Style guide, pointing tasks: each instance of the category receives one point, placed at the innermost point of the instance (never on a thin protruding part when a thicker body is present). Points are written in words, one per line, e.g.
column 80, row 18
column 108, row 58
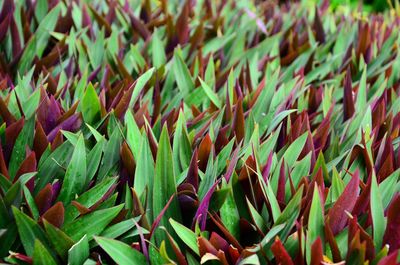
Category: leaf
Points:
column 186, row 235
column 75, row 176
column 377, row 212
column 90, row 105
column 238, row 123
column 111, row 155
column 211, row 94
column 48, row 169
column 294, row 150
column 55, row 215
column 202, row 210
column 25, row 138
column 133, row 135
column 392, row 231
column 31, row 203
column 58, row 239
column 337, row 214
column 79, row 252
column 28, row 230
column 98, row 221
column 319, row 29
column 144, row 172
column 93, row 160
column 89, row 198
column 361, row 101
column 157, row 48
column 280, row 253
column 41, row 255
column 120, row 252
column 119, row 228
column 140, row 83
column 316, row 252
column 315, row 222
column 164, row 184
column 182, row 74
column 348, row 102
column 181, row 146
column 290, row 213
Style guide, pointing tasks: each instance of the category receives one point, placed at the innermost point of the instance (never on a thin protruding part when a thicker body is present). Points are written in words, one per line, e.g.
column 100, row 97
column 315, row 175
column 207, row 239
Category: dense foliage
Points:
column 187, row 132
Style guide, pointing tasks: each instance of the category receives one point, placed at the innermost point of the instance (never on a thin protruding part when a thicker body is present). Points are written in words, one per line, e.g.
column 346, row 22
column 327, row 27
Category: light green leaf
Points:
column 164, row 185
column 98, row 221
column 90, row 106
column 75, row 176
column 211, row 94
column 182, row 74
column 79, row 252
column 120, row 252
column 41, row 255
column 377, row 212
column 186, row 235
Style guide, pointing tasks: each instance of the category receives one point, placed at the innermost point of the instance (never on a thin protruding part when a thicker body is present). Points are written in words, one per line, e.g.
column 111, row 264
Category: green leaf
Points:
column 89, row 198
column 41, row 255
column 157, row 48
column 75, row 176
column 91, row 224
column 51, row 167
column 133, row 135
column 31, row 203
column 140, row 83
column 211, row 94
column 294, row 150
column 93, row 159
column 28, row 230
column 230, row 215
column 144, row 172
column 362, row 92
column 182, row 74
column 315, row 222
column 290, row 213
column 119, row 228
column 186, row 235
column 58, row 239
column 278, row 119
column 377, row 212
column 120, row 252
column 90, row 106
column 164, row 185
column 182, row 150
column 257, row 218
column 111, row 155
column 25, row 138
column 79, row 252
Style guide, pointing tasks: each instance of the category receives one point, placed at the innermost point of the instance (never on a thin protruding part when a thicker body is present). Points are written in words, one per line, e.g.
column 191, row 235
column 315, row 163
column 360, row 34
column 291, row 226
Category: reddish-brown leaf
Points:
column 348, row 101
column 127, row 159
column 193, row 174
column 238, row 124
column 337, row 214
column 281, row 255
column 204, row 152
column 319, row 29
column 182, row 24
column 44, row 198
column 28, row 165
column 40, row 142
column 55, row 215
column 316, row 252
column 392, row 233
column 390, row 259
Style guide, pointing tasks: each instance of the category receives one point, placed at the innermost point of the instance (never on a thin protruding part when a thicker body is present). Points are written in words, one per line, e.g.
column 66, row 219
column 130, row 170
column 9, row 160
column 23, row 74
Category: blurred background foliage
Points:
column 366, row 5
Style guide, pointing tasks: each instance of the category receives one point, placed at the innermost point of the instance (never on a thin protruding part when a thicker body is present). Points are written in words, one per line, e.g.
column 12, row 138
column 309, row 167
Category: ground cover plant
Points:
column 188, row 132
